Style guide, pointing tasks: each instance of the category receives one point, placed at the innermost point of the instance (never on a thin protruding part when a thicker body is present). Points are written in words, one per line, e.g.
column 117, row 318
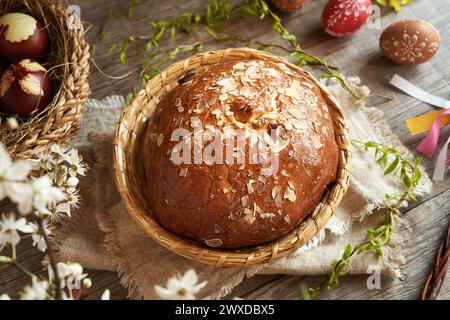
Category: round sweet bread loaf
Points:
column 239, row 153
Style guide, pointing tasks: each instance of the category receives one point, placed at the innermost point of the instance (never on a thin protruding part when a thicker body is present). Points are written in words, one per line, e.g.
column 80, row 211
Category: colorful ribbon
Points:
column 429, row 144
column 419, row 94
column 423, row 123
column 441, row 162
column 431, row 121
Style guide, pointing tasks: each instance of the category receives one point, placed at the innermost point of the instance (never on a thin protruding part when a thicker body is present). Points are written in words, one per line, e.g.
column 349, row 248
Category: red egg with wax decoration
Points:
column 22, row 37
column 344, row 17
column 25, row 88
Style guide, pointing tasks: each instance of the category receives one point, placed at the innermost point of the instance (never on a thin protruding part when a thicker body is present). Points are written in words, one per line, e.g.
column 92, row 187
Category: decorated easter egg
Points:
column 288, row 5
column 410, row 41
column 344, row 17
column 24, row 88
column 22, row 37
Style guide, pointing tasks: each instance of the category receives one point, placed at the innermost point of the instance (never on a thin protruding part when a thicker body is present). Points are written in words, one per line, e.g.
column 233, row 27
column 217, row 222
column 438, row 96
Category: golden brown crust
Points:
column 235, row 204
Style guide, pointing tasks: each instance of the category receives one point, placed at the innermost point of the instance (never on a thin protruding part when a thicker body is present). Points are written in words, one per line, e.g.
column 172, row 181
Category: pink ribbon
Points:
column 441, row 162
column 429, row 144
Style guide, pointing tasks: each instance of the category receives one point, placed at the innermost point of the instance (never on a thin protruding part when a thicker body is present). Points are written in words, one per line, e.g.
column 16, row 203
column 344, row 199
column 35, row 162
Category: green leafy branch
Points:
column 259, row 8
column 216, row 12
column 152, row 63
column 408, row 172
column 132, row 9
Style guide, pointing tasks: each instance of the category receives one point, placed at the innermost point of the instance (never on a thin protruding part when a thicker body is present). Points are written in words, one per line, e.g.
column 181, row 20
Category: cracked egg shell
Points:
column 24, row 88
column 288, row 5
column 344, row 17
column 410, row 41
column 22, row 37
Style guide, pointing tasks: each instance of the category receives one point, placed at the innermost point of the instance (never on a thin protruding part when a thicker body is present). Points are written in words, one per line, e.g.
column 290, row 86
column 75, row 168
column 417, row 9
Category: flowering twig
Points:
column 52, row 257
column 181, row 287
column 42, row 188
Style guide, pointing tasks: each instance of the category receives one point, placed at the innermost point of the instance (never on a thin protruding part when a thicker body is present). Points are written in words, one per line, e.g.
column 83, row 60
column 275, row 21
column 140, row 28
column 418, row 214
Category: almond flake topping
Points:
column 278, row 200
column 180, row 109
column 214, row 243
column 316, row 142
column 244, row 201
column 287, row 218
column 250, row 189
column 290, row 192
column 267, row 215
column 276, row 191
column 249, row 215
column 183, row 172
column 160, row 140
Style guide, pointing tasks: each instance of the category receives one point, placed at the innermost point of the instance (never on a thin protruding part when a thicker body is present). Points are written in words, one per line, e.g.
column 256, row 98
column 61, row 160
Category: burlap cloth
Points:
column 103, row 236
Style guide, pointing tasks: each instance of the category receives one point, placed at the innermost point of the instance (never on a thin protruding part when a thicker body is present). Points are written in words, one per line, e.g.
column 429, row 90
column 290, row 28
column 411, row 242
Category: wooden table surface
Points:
column 355, row 55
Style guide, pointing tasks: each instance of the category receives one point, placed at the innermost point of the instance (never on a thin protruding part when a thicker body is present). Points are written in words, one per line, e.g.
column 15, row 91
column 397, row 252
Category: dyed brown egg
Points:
column 22, row 37
column 410, row 41
column 288, row 5
column 24, row 88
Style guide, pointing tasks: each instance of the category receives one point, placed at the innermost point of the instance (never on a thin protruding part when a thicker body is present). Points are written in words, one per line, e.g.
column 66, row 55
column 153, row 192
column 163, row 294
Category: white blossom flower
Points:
column 181, row 287
column 61, row 209
column 76, row 164
column 45, row 161
column 39, row 194
column 11, row 174
column 9, row 228
column 37, row 236
column 71, row 271
column 71, row 274
column 106, row 295
column 37, row 290
column 73, row 197
column 72, row 182
column 4, row 297
column 59, row 153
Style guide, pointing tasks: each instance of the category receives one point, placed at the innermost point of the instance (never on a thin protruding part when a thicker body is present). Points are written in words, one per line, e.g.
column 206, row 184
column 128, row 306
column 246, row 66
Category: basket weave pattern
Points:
column 63, row 121
column 129, row 172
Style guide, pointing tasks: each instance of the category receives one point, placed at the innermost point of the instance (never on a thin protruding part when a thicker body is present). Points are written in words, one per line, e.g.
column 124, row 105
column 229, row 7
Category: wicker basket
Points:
column 129, row 171
column 69, row 65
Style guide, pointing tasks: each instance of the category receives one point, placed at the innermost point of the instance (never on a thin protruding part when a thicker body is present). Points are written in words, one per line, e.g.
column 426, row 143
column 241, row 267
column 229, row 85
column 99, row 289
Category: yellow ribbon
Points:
column 424, row 122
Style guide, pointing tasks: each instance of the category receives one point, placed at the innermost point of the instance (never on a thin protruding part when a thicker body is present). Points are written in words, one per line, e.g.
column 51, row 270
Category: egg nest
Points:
column 56, row 62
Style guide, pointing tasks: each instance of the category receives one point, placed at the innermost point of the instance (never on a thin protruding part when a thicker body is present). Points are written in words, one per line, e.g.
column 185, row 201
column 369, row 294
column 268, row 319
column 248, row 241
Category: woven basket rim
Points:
column 137, row 113
column 64, row 122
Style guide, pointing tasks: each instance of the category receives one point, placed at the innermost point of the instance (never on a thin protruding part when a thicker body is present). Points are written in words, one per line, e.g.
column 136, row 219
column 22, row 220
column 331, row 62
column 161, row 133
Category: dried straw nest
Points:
column 68, row 64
